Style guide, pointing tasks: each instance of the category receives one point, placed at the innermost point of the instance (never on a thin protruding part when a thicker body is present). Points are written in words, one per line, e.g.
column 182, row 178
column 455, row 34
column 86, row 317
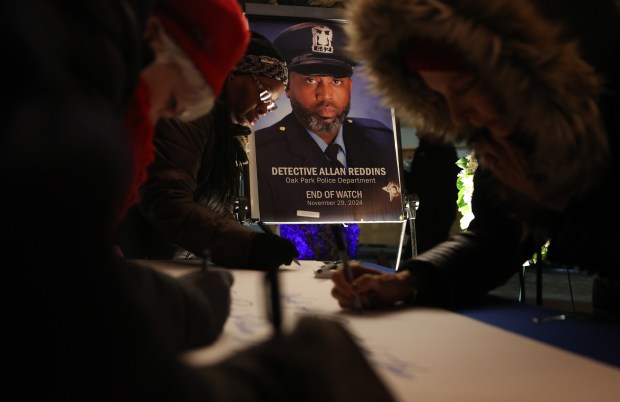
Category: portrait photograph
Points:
column 328, row 150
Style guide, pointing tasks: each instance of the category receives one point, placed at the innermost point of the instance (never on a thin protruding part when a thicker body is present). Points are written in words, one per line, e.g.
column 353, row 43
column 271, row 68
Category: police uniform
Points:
column 296, row 182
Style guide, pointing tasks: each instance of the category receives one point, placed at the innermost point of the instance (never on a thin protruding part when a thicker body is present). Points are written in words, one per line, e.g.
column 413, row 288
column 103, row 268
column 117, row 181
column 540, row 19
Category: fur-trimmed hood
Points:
column 528, row 64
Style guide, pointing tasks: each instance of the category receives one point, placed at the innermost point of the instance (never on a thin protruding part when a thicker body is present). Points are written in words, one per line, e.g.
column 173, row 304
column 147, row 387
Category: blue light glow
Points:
column 315, row 241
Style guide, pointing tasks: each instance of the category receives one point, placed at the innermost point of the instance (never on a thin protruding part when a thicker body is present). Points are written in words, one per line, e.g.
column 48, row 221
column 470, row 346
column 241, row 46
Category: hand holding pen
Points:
column 278, row 249
column 374, row 288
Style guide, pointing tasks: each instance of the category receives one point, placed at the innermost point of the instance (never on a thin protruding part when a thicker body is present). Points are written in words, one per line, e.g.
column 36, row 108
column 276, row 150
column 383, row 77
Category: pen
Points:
column 274, row 289
column 274, row 299
column 344, row 256
column 266, row 229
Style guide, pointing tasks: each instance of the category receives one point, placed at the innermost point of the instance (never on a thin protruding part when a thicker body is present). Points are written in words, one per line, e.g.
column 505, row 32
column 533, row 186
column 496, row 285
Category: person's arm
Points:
column 191, row 309
column 168, row 203
column 167, row 196
column 477, row 260
column 455, row 272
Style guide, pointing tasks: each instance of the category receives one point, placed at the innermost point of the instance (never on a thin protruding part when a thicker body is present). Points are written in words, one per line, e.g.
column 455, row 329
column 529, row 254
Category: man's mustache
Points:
column 327, row 105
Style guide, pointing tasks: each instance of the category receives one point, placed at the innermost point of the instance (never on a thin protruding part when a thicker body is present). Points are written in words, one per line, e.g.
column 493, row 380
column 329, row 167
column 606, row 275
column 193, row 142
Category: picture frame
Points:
column 378, row 198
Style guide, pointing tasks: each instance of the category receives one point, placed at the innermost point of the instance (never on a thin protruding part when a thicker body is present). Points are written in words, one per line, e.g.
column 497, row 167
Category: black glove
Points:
column 270, row 251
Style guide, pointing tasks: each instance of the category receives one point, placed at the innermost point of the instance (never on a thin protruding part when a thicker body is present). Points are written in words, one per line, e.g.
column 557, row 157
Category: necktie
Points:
column 332, row 154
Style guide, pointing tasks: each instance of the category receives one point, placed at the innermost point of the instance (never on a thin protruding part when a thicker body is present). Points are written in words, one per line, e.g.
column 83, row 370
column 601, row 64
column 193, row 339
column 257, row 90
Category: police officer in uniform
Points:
column 317, row 164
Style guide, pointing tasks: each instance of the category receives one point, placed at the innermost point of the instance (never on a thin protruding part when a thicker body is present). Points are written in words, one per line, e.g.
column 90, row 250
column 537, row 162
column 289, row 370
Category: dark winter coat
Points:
column 173, row 213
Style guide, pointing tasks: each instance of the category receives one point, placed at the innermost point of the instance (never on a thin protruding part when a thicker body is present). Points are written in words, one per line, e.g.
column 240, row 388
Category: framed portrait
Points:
column 329, row 152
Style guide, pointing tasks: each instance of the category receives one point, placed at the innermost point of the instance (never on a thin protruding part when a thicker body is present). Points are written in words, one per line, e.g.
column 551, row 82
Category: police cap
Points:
column 315, row 48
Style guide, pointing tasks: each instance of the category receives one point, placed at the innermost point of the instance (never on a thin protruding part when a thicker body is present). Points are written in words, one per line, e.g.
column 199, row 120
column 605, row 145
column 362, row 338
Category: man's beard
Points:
column 314, row 123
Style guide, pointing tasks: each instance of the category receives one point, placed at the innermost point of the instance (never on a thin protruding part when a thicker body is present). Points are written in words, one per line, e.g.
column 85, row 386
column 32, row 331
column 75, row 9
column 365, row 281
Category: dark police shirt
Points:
column 296, row 182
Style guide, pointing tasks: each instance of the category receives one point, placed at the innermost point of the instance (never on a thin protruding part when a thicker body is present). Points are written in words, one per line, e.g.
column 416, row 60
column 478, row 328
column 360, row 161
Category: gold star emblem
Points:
column 393, row 189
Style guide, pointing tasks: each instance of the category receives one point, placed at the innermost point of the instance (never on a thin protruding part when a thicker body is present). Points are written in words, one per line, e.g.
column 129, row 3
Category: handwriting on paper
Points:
column 251, row 325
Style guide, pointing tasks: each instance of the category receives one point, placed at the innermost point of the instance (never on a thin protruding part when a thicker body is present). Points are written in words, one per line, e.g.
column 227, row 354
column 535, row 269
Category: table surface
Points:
column 493, row 352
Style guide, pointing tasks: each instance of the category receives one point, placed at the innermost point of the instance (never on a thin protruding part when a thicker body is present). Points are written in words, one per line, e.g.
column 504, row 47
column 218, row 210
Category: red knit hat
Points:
column 424, row 55
column 213, row 33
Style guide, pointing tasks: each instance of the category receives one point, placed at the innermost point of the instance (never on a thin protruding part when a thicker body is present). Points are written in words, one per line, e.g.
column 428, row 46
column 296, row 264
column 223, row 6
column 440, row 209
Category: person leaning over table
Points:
column 184, row 71
column 320, row 94
column 187, row 201
column 78, row 326
column 95, row 76
column 533, row 87
column 135, row 61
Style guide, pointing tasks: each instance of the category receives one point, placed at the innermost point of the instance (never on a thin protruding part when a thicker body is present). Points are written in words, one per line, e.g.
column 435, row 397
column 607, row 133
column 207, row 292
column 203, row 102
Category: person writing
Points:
column 99, row 75
column 533, row 87
column 187, row 201
column 359, row 155
column 180, row 77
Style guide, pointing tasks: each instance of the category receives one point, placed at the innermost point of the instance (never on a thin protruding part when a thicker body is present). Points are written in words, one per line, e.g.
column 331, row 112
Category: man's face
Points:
column 320, row 102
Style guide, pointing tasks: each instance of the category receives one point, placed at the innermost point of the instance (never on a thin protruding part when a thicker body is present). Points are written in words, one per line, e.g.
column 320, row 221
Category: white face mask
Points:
column 199, row 109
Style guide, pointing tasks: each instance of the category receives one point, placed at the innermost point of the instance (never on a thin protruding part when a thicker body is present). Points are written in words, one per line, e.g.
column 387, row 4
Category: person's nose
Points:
column 324, row 91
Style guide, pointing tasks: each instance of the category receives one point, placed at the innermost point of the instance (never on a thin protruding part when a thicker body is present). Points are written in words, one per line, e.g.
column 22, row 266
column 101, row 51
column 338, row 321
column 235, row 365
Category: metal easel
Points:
column 411, row 205
column 241, row 205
